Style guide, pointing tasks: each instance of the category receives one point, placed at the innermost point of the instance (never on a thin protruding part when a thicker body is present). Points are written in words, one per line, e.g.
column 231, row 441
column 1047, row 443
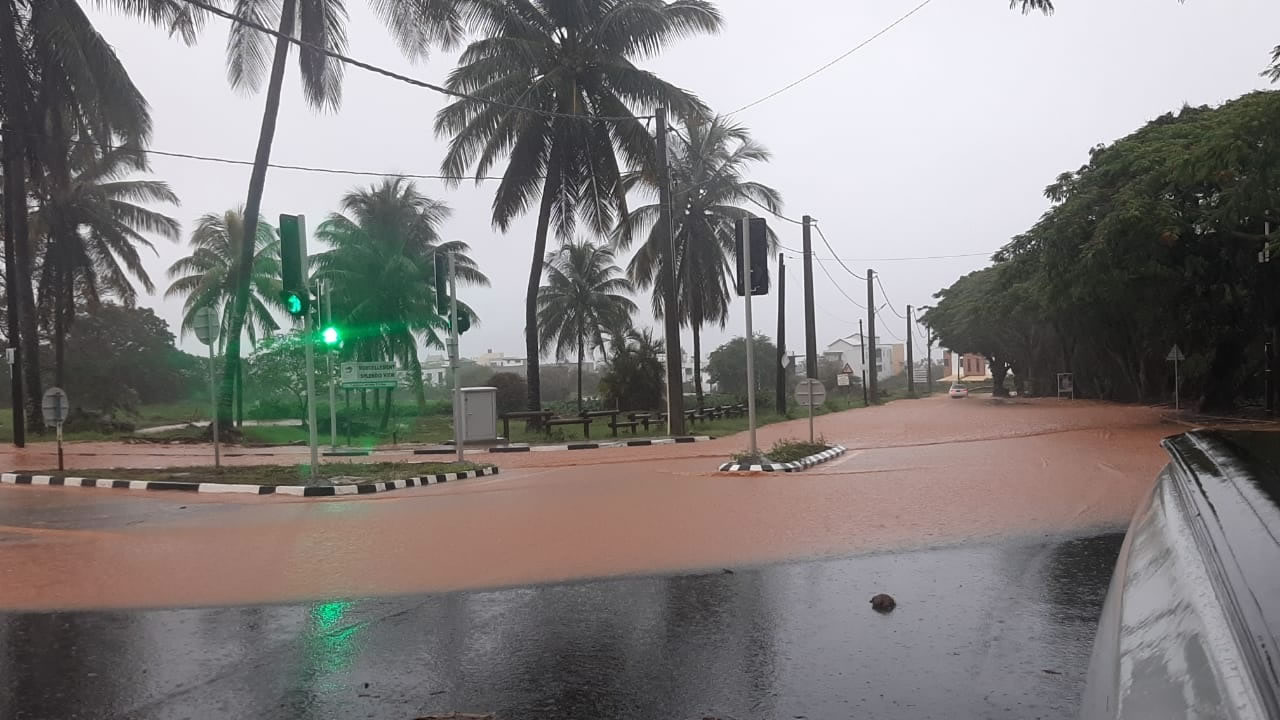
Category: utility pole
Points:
column 928, row 363
column 751, row 369
column 14, row 352
column 863, row 342
column 871, row 336
column 780, row 388
column 670, row 302
column 327, row 298
column 810, row 331
column 911, row 367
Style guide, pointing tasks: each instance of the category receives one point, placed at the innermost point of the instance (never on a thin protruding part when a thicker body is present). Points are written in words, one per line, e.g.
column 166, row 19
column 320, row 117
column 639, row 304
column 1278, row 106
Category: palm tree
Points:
column 55, row 65
column 381, row 269
column 415, row 25
column 580, row 301
column 91, row 227
column 708, row 165
column 562, row 59
column 206, row 278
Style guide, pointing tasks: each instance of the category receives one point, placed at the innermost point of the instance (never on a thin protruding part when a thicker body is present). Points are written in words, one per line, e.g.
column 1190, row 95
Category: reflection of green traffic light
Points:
column 330, row 336
column 328, row 614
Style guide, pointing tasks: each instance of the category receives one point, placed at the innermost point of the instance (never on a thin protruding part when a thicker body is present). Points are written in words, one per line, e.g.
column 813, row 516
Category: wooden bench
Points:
column 613, row 420
column 585, row 422
column 536, row 418
column 642, row 418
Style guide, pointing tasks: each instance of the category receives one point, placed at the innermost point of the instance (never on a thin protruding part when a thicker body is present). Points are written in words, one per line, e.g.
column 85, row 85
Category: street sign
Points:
column 55, row 405
column 846, row 370
column 842, row 380
column 1066, row 385
column 369, row 375
column 1175, row 355
column 205, row 325
column 810, row 393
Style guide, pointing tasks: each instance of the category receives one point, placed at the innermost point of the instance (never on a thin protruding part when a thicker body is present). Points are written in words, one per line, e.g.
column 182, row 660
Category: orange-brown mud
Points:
column 919, row 472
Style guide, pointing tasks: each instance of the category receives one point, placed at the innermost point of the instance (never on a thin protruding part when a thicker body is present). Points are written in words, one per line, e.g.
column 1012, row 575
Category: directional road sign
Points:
column 810, row 393
column 55, row 406
column 369, row 375
column 1175, row 354
column 205, row 324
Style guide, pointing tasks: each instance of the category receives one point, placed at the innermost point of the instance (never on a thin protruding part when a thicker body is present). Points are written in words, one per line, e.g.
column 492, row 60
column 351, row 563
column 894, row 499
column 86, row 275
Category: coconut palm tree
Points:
column 206, row 278
column 709, row 161
column 562, row 59
column 90, row 226
column 581, row 301
column 53, row 61
column 415, row 25
column 381, row 269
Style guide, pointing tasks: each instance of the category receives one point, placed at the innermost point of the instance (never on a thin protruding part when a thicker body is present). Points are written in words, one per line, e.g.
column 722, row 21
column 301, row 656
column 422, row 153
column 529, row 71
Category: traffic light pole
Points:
column 459, row 413
column 310, row 342
column 670, row 296
column 751, row 370
column 327, row 299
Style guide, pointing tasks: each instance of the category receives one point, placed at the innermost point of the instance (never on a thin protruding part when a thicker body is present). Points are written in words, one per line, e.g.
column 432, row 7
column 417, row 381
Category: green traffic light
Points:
column 330, row 335
column 293, row 303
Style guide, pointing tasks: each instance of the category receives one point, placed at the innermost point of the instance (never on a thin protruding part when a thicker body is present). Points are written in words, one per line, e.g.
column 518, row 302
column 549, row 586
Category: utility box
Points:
column 480, row 405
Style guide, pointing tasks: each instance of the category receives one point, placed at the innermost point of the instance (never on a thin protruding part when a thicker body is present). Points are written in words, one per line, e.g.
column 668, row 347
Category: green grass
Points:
column 276, row 474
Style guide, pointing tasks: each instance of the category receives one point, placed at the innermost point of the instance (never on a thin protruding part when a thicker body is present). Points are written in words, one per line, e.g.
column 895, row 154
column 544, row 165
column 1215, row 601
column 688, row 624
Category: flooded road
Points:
column 920, row 473
column 982, row 630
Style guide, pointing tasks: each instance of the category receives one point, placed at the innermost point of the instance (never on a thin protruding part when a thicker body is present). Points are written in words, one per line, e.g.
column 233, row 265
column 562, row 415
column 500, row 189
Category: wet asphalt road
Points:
column 981, row 631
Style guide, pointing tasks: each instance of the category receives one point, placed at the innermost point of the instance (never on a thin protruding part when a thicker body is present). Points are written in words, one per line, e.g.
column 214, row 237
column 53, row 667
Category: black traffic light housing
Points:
column 441, row 280
column 293, row 249
column 758, row 231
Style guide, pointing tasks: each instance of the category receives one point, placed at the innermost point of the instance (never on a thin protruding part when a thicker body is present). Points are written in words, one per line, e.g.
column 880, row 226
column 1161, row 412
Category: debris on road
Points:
column 883, row 603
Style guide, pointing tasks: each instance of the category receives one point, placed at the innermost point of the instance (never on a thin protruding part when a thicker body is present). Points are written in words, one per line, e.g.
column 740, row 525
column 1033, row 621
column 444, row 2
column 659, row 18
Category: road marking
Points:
column 840, row 460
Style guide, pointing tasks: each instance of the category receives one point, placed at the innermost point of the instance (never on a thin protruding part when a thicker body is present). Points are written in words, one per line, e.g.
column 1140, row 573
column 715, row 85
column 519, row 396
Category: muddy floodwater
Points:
column 919, row 474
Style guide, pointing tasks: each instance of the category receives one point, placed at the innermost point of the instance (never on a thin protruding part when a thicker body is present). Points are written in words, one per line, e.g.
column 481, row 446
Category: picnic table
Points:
column 614, row 424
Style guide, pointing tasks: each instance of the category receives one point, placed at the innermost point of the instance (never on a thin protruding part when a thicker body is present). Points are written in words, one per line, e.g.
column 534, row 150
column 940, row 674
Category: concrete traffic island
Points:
column 766, row 463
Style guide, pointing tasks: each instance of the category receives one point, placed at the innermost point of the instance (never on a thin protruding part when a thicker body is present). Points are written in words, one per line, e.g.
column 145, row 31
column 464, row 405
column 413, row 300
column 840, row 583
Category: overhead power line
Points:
column 397, row 76
column 773, row 212
column 833, row 252
column 842, row 292
column 887, row 301
column 842, row 56
column 886, row 327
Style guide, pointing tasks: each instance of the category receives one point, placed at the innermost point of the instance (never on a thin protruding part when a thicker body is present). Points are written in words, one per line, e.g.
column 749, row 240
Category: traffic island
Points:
column 786, row 456
column 331, row 479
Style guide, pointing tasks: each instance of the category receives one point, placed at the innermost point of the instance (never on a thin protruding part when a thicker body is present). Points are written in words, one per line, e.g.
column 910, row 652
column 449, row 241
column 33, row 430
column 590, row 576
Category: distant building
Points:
column 435, row 369
column 968, row 365
column 489, row 358
column 890, row 358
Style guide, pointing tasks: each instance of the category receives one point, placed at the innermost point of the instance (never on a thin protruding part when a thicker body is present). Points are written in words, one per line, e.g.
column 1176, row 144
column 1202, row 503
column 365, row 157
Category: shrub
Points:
column 513, row 391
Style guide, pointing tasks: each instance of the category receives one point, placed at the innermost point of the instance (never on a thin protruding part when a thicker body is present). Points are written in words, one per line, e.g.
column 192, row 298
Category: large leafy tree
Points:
column 381, row 269
column 572, row 64
column 709, row 161
column 61, row 80
column 583, row 297
column 90, row 226
column 207, row 278
column 1154, row 242
column 416, row 26
column 634, row 375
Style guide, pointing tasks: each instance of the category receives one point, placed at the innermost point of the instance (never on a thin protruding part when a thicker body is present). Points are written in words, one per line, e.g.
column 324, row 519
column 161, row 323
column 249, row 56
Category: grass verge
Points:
column 275, row 474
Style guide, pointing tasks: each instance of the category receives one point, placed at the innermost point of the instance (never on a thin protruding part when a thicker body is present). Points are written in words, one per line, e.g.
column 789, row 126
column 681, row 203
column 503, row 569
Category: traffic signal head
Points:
column 756, row 231
column 442, row 284
column 331, row 336
column 296, row 303
column 464, row 321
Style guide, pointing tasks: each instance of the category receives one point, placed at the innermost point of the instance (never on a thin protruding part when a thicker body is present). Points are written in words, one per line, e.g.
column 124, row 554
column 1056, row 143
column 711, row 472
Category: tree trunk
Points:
column 697, row 363
column 18, row 281
column 252, row 208
column 531, row 345
column 61, row 299
column 364, row 401
column 580, row 353
column 386, row 410
column 240, row 396
column 415, row 367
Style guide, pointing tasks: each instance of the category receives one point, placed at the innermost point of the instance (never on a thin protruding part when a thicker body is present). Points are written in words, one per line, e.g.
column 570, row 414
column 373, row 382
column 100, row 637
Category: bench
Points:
column 613, row 420
column 642, row 418
column 585, row 422
column 625, row 424
column 535, row 418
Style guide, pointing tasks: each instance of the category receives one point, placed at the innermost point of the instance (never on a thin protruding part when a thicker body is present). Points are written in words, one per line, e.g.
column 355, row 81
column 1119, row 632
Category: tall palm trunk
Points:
column 697, row 363
column 18, row 242
column 531, row 345
column 580, row 353
column 61, row 320
column 386, row 409
column 252, row 208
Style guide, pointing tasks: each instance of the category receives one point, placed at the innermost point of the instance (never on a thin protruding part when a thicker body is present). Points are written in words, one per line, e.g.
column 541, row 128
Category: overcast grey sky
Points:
column 936, row 139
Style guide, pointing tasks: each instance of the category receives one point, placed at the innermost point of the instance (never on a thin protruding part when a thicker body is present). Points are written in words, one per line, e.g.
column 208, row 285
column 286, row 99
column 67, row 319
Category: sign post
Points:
column 1066, row 385
column 459, row 413
column 55, row 407
column 205, row 323
column 1176, row 356
column 810, row 392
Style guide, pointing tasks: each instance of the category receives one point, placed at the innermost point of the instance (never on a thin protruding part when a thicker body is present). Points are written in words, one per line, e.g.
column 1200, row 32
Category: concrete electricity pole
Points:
column 862, row 340
column 871, row 336
column 810, row 332
column 670, row 303
column 780, row 388
column 911, row 367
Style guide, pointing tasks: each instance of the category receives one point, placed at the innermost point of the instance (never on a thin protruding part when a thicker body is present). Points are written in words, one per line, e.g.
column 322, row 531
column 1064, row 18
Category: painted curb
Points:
column 797, row 466
column 225, row 488
column 601, row 445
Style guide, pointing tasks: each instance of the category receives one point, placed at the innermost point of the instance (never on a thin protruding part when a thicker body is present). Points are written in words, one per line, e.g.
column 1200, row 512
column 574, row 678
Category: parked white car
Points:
column 958, row 391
